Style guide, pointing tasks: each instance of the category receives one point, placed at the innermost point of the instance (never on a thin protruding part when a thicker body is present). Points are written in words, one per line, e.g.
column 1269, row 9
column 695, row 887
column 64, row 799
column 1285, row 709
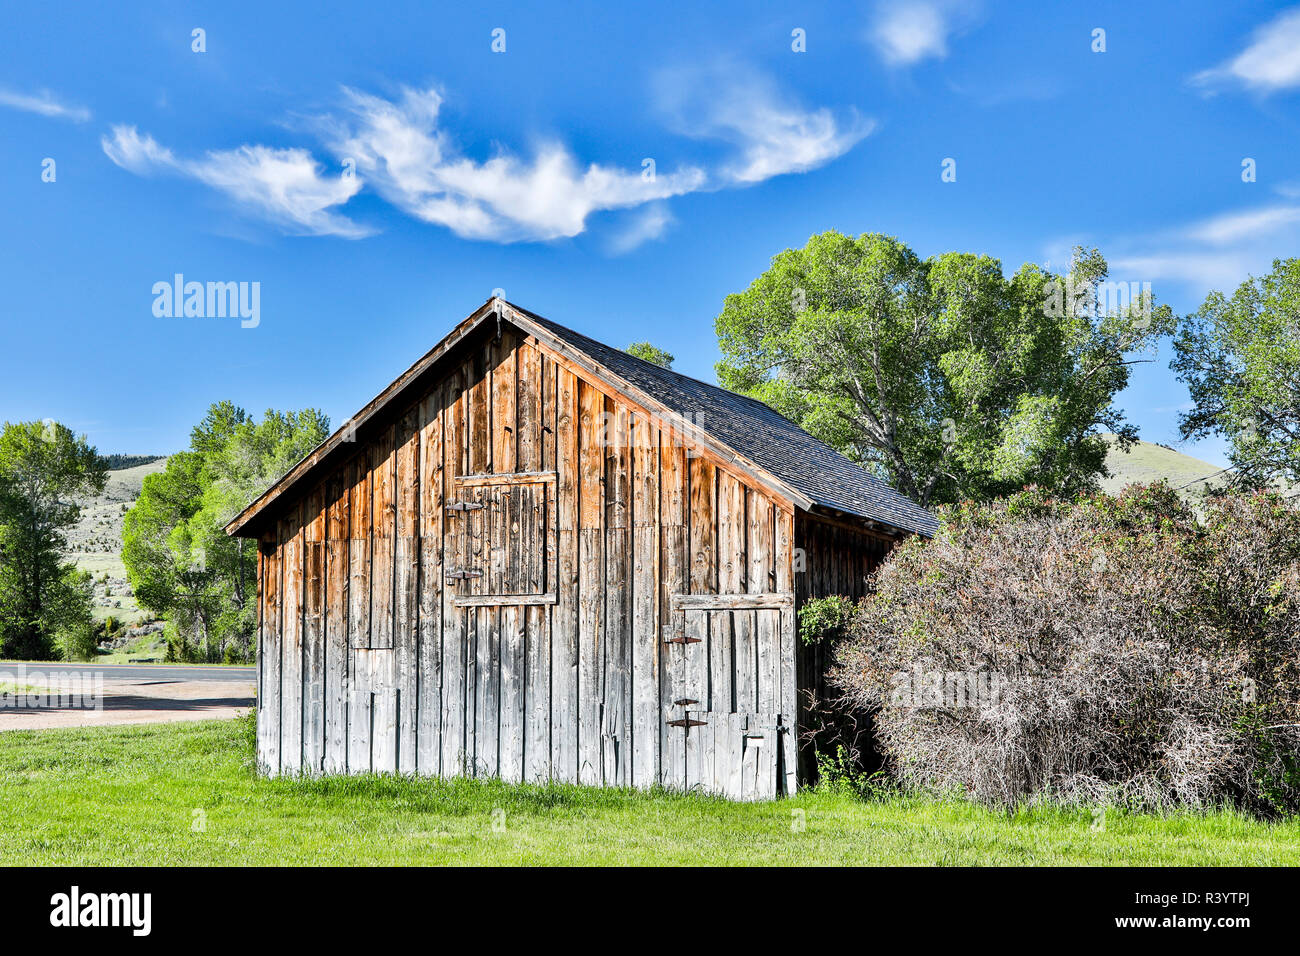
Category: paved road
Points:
column 137, row 672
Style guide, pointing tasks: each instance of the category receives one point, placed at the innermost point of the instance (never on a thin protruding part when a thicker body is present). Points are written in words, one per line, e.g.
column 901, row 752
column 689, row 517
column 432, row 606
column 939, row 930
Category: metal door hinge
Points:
column 687, row 722
column 684, row 701
column 466, row 506
column 463, row 575
column 683, row 640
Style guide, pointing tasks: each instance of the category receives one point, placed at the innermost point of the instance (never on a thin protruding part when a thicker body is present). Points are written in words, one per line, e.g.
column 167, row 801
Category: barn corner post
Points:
column 535, row 557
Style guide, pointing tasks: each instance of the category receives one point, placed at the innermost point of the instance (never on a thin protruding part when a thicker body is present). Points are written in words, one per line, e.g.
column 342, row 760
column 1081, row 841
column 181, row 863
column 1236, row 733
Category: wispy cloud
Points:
column 1202, row 270
column 643, row 226
column 45, row 104
column 413, row 163
column 1214, row 253
column 285, row 186
column 773, row 135
column 402, row 148
column 1270, row 62
column 907, row 32
column 1250, row 224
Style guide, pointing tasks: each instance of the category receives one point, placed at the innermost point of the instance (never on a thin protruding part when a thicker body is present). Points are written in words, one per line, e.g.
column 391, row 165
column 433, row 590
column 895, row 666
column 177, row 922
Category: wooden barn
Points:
column 537, row 557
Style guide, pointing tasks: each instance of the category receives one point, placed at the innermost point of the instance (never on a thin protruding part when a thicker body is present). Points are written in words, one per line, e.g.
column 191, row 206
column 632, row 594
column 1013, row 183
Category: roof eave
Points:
column 245, row 523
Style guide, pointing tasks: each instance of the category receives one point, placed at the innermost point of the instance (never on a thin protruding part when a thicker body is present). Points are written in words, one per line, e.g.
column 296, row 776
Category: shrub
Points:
column 825, row 619
column 1122, row 649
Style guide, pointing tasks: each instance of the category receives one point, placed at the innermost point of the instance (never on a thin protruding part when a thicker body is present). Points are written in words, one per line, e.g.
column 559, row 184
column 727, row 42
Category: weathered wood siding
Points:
column 524, row 574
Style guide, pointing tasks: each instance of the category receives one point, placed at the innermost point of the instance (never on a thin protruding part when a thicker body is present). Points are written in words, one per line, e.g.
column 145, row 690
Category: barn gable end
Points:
column 516, row 562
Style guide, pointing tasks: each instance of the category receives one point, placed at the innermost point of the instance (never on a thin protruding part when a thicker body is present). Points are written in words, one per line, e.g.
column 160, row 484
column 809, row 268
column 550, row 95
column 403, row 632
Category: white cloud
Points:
column 1236, row 226
column 645, row 224
column 1214, row 253
column 285, row 186
column 1270, row 62
column 909, row 31
column 1202, row 270
column 413, row 163
column 45, row 104
column 139, row 154
column 773, row 136
column 402, row 148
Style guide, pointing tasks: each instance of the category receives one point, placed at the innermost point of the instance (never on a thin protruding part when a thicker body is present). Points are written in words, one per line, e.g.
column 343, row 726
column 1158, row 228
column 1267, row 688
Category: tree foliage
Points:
column 44, row 601
column 179, row 561
column 1127, row 649
column 945, row 377
column 651, row 353
column 1240, row 358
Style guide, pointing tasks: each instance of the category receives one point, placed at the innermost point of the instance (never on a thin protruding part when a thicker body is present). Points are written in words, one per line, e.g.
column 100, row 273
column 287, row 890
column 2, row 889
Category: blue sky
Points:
column 381, row 173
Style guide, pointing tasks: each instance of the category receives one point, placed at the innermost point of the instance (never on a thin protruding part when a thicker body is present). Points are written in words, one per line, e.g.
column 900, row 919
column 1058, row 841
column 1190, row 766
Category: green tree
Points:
column 43, row 600
column 942, row 375
column 178, row 560
column 651, row 353
column 1240, row 358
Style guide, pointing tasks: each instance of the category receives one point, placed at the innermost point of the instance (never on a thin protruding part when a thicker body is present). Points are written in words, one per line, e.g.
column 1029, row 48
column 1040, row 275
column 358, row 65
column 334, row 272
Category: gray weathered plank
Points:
column 291, row 658
column 537, row 692
column 564, row 629
column 513, row 674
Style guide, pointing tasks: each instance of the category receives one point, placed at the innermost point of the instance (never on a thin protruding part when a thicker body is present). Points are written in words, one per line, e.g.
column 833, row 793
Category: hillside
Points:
column 95, row 542
column 1146, row 462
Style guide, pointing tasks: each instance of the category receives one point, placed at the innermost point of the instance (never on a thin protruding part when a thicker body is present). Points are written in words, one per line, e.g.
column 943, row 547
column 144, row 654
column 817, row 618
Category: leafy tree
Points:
column 43, row 469
column 68, row 618
column 179, row 561
column 942, row 375
column 651, row 353
column 1240, row 358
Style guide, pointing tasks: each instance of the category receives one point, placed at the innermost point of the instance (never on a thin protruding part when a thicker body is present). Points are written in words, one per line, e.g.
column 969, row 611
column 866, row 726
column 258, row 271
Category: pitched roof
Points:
column 758, row 433
column 742, row 429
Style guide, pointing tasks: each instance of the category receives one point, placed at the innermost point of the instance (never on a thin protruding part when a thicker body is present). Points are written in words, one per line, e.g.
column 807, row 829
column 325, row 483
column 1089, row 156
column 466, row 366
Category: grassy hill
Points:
column 95, row 542
column 1146, row 462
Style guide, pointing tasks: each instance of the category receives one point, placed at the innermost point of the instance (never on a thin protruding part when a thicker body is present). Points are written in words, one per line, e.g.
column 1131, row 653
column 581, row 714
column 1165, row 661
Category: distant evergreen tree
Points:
column 118, row 462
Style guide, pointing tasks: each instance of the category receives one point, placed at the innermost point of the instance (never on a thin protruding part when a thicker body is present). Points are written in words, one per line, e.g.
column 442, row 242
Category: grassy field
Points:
column 184, row 794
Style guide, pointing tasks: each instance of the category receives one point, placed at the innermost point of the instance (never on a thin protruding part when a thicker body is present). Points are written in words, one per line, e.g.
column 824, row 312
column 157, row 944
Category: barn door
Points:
column 721, row 718
column 502, row 534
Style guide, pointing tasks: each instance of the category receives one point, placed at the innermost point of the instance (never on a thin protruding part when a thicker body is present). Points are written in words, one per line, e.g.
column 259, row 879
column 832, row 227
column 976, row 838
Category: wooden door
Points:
column 502, row 535
column 723, row 722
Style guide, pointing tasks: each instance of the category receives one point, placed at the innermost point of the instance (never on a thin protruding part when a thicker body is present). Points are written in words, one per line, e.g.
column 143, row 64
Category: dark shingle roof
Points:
column 758, row 433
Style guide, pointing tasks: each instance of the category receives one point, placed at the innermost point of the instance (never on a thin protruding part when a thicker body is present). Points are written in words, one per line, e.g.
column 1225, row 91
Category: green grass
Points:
column 9, row 688
column 128, row 795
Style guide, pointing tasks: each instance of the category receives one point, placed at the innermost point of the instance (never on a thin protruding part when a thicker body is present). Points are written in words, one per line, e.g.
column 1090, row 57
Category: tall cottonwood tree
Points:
column 1240, row 358
column 44, row 468
column 944, row 376
column 179, row 561
column 652, row 354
